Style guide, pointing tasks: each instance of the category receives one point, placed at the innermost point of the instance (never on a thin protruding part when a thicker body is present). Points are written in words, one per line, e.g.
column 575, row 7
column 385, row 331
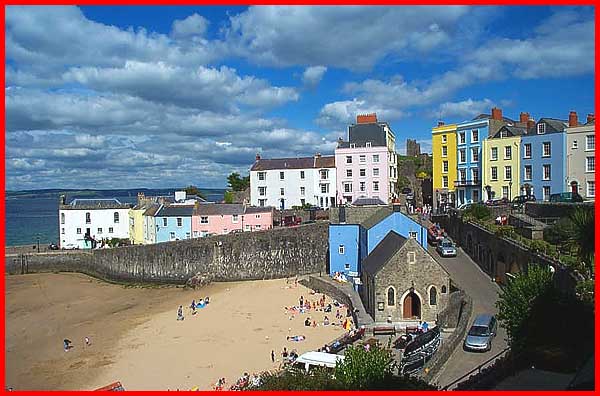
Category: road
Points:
column 469, row 277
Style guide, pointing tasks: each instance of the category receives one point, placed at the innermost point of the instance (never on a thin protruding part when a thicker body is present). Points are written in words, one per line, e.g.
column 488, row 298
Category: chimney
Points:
column 524, row 118
column 573, row 119
column 140, row 199
column 62, row 200
column 317, row 155
column 366, row 118
column 440, row 123
column 590, row 118
column 257, row 156
column 496, row 114
column 530, row 124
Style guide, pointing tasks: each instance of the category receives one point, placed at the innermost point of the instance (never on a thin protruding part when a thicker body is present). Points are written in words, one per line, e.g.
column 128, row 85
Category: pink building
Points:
column 361, row 172
column 220, row 219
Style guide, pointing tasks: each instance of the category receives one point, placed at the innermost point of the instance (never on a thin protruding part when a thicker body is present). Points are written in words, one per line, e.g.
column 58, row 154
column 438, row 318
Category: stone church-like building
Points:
column 403, row 282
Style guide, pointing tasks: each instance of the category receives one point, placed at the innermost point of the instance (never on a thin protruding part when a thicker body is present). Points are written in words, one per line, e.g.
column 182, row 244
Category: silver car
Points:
column 446, row 248
column 481, row 333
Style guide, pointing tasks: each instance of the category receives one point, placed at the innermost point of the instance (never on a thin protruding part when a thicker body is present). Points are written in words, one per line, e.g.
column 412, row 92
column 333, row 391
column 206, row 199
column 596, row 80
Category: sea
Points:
column 34, row 213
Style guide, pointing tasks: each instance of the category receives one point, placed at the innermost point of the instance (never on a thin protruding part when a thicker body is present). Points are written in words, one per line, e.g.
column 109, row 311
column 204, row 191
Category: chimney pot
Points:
column 257, row 156
column 318, row 155
column 530, row 124
column 591, row 117
column 496, row 114
column 366, row 118
column 573, row 119
column 440, row 123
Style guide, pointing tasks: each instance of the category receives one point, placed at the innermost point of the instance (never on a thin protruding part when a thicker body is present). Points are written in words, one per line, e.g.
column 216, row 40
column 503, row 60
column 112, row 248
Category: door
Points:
column 407, row 307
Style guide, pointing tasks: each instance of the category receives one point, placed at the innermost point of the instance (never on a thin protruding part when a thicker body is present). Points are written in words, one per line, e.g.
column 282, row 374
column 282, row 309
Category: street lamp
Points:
column 38, row 242
column 509, row 189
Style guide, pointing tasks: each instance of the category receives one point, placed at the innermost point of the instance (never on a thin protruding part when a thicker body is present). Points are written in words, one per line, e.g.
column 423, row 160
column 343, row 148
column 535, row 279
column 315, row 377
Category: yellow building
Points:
column 443, row 141
column 136, row 225
column 500, row 154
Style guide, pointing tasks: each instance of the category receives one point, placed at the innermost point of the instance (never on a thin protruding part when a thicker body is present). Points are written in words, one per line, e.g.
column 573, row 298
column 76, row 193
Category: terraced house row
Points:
column 493, row 157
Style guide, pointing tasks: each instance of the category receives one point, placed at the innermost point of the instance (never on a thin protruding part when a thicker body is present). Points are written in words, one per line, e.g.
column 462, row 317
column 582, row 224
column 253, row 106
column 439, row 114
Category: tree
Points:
column 516, row 300
column 193, row 190
column 582, row 236
column 228, row 197
column 237, row 183
column 362, row 369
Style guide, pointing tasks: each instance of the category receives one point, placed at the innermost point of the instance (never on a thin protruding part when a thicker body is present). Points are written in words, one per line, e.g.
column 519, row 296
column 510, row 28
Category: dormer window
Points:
column 352, row 145
column 541, row 128
column 368, row 144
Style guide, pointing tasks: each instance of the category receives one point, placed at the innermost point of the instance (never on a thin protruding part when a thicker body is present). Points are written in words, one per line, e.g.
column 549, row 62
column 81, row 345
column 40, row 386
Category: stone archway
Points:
column 411, row 306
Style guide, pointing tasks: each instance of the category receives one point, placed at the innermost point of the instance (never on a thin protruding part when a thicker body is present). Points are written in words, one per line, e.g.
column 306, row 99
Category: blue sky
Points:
column 125, row 97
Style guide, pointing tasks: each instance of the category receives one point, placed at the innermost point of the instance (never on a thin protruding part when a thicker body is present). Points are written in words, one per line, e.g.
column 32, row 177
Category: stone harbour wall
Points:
column 266, row 254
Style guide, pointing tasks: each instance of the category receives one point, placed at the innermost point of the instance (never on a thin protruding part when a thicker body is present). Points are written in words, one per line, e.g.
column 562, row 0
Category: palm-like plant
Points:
column 582, row 236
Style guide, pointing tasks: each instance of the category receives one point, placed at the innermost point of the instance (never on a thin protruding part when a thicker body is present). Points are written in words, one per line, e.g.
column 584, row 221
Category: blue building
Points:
column 543, row 159
column 469, row 135
column 173, row 223
column 358, row 230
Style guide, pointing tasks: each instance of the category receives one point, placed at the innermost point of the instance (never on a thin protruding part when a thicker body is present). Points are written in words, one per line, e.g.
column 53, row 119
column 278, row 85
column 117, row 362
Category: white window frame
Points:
column 348, row 159
column 544, row 145
column 362, row 172
column 179, row 222
column 362, row 187
column 475, row 136
column 411, row 257
column 444, row 139
column 587, row 188
column 362, row 158
column 527, row 150
column 347, row 188
column 462, row 138
column 462, row 156
column 341, row 249
column 444, row 151
column 588, row 139
column 527, row 172
column 444, row 181
column 262, row 191
column 505, row 192
column 507, row 169
column 348, row 172
column 368, row 144
column 376, row 172
column 546, row 197
column 165, row 222
column 494, row 169
column 375, row 186
column 445, row 167
column 302, row 175
column 494, row 150
column 574, row 145
column 235, row 218
column 541, row 128
column 281, row 175
column 302, row 191
column 262, row 176
column 544, row 167
column 79, row 231
column 507, row 152
column 204, row 220
column 110, row 230
column 587, row 164
column 475, row 154
column 281, row 191
column 375, row 158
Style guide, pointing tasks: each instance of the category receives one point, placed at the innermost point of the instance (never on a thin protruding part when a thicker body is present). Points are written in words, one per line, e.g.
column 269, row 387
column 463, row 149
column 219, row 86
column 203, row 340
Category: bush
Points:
column 479, row 212
column 559, row 233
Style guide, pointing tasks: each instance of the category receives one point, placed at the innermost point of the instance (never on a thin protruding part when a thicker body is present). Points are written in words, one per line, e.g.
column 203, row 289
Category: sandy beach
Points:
column 136, row 338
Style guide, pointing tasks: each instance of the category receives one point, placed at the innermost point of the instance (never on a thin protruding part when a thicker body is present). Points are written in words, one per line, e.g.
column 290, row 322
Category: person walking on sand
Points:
column 67, row 344
column 301, row 301
column 87, row 342
column 272, row 356
column 180, row 313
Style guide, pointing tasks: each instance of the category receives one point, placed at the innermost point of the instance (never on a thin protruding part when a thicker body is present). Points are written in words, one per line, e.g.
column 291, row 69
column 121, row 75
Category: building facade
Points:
column 173, row 222
column 287, row 182
column 83, row 222
column 403, row 282
column 501, row 154
column 469, row 137
column 581, row 159
column 444, row 164
column 222, row 219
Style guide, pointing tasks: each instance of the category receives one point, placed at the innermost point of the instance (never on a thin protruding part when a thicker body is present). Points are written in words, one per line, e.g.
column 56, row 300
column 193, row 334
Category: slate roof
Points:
column 99, row 203
column 214, row 209
column 487, row 117
column 377, row 217
column 371, row 132
column 553, row 124
column 294, row 163
column 151, row 211
column 514, row 131
column 383, row 252
column 367, row 201
column 259, row 209
column 175, row 211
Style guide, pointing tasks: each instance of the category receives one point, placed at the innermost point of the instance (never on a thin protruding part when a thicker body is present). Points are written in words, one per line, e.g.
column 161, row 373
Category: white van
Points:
column 310, row 360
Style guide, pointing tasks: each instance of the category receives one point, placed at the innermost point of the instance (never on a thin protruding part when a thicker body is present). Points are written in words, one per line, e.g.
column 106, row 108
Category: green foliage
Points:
column 582, row 236
column 478, row 212
column 504, row 231
column 362, row 369
column 516, row 300
column 193, row 190
column 559, row 233
column 228, row 197
column 238, row 183
column 403, row 182
column 298, row 380
column 585, row 291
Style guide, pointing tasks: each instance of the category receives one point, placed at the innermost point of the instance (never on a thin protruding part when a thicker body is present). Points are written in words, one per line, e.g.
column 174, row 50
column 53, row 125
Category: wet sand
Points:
column 136, row 338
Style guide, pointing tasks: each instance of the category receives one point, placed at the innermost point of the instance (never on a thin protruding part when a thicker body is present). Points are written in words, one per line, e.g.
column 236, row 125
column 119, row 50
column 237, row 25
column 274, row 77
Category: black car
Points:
column 519, row 200
column 52, row 246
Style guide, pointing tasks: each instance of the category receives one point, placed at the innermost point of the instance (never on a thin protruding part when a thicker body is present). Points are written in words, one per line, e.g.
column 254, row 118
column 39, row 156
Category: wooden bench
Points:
column 384, row 330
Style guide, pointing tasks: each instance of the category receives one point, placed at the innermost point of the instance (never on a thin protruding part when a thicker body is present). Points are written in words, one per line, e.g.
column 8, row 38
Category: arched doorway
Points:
column 411, row 306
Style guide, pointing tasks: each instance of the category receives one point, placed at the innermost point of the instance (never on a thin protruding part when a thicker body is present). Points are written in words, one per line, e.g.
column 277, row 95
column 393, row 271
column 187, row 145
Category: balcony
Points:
column 467, row 183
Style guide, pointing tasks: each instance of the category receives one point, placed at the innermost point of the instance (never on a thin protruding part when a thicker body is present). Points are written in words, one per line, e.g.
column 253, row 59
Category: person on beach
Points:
column 193, row 305
column 301, row 301
column 296, row 338
column 87, row 342
column 206, row 300
column 284, row 354
column 67, row 344
column 180, row 313
column 307, row 322
column 326, row 321
column 273, row 356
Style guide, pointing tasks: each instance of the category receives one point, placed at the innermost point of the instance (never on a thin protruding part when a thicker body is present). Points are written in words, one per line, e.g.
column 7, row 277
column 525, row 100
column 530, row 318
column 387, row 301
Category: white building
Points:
column 85, row 219
column 287, row 182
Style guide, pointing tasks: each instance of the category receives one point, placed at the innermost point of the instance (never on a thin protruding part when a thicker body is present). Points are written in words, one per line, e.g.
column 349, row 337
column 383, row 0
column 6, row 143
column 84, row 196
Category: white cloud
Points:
column 312, row 75
column 468, row 108
column 192, row 26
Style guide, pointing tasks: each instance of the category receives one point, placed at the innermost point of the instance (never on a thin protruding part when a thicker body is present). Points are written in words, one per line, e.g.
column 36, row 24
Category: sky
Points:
column 162, row 97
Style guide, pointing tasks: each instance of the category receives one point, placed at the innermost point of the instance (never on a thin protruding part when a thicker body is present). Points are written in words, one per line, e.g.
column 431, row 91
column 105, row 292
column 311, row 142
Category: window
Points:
column 462, row 174
column 282, row 191
column 348, row 187
column 444, row 181
column 110, row 230
column 574, row 144
column 348, row 159
column 547, row 172
column 494, row 154
column 164, row 221
column 444, row 139
column 62, row 230
column 412, row 234
column 475, row 136
column 590, row 164
column 62, row 218
column 546, row 149
column 504, row 191
column 301, row 174
column 591, row 188
column 391, row 297
column 507, row 172
column 261, row 175
column 475, row 175
column 203, row 219
column 527, row 172
column 302, row 190
column 257, row 216
column 341, row 249
column 88, row 218
column 507, row 152
column 412, row 257
column 324, row 188
column 541, row 128
column 546, row 193
column 99, row 230
column 348, row 172
column 281, row 175
column 444, row 151
column 444, row 289
column 79, row 230
column 187, row 235
column 527, row 151
column 179, row 222
column 375, row 186
column 368, row 144
column 172, row 236
column 432, row 296
column 475, row 154
column 590, row 142
column 362, row 172
column 462, row 155
column 262, row 202
column 462, row 138
column 352, row 145
column 376, row 158
column 445, row 166
column 262, row 191
column 347, row 266
column 116, row 217
column 362, row 186
column 494, row 173
column 303, row 201
column 375, row 171
column 362, row 159
column 475, row 199
column 324, row 174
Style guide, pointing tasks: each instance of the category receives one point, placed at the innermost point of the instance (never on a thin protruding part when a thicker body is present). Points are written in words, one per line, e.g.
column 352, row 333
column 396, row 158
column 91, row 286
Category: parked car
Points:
column 69, row 246
column 446, row 248
column 566, row 197
column 406, row 190
column 434, row 235
column 481, row 333
column 520, row 200
column 53, row 246
column 497, row 201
